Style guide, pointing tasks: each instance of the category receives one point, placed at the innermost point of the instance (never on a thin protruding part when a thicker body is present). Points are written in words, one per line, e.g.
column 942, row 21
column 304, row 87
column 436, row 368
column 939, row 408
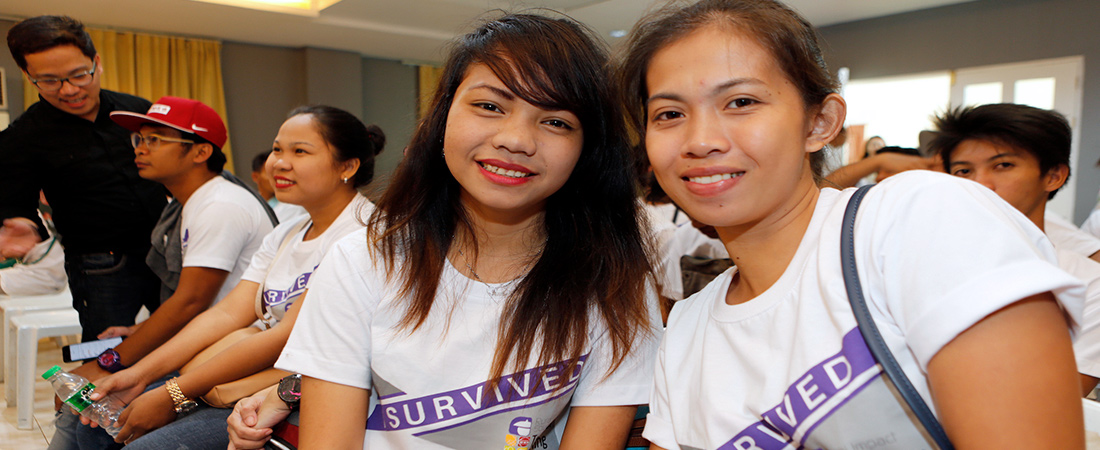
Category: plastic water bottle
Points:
column 75, row 389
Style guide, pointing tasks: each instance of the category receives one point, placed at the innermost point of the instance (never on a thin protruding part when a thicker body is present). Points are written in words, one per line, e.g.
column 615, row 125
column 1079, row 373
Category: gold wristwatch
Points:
column 183, row 404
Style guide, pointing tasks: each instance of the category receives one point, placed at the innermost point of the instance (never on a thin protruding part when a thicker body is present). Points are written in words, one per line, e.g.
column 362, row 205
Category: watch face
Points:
column 108, row 358
column 290, row 389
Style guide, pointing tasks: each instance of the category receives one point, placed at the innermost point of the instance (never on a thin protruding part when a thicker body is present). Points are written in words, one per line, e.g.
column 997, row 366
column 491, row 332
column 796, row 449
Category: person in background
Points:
column 885, row 162
column 735, row 105
column 321, row 157
column 67, row 146
column 264, row 184
column 1022, row 154
column 220, row 225
column 41, row 271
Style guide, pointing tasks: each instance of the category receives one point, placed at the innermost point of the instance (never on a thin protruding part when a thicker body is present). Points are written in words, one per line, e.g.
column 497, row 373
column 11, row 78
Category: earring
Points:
column 444, row 151
column 345, row 180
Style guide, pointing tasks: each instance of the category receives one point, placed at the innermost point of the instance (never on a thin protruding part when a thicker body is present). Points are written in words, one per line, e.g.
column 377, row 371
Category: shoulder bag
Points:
column 226, row 394
column 870, row 332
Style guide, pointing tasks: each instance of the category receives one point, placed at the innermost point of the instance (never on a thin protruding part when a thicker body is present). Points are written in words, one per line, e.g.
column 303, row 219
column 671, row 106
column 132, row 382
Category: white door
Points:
column 1048, row 84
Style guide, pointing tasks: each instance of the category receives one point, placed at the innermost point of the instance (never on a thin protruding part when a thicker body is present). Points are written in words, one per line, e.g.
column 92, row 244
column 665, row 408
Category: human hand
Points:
column 89, row 370
column 152, row 410
column 250, row 424
column 17, row 237
column 125, row 385
column 118, row 331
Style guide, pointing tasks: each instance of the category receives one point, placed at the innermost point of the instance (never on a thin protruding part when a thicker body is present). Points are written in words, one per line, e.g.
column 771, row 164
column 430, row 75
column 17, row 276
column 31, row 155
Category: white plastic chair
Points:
column 29, row 328
column 19, row 305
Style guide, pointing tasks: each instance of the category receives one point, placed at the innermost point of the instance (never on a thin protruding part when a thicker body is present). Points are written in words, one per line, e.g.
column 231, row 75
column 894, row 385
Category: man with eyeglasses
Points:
column 67, row 146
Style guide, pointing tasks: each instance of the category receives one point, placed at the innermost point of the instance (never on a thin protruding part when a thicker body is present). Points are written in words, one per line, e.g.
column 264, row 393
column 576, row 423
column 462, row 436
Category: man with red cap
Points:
column 204, row 240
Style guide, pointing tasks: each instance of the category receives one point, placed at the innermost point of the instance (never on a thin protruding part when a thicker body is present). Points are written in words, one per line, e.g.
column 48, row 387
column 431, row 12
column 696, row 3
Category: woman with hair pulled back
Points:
column 504, row 279
column 735, row 106
column 320, row 159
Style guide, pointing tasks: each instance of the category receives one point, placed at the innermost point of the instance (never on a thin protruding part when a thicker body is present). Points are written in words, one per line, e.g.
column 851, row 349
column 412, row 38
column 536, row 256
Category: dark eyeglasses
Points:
column 54, row 84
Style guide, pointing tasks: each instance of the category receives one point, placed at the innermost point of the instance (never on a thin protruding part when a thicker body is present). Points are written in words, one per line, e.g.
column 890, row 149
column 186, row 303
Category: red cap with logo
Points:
column 186, row 115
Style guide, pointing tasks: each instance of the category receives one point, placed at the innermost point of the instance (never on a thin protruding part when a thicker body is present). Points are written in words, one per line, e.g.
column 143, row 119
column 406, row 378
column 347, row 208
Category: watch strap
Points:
column 181, row 403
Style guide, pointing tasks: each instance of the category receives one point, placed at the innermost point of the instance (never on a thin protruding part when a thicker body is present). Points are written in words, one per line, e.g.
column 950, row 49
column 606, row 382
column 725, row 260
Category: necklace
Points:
column 504, row 287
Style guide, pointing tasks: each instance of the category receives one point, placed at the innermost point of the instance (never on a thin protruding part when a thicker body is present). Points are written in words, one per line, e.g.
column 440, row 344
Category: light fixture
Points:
column 617, row 33
column 309, row 8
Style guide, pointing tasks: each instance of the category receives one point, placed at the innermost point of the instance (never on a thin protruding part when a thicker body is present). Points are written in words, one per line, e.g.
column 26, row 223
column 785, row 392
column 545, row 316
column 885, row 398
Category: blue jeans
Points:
column 203, row 428
column 109, row 289
column 70, row 434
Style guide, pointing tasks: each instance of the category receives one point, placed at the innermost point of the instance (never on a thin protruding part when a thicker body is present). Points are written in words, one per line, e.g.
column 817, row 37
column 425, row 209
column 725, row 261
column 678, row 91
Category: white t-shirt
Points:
column 222, row 225
column 286, row 212
column 428, row 388
column 1086, row 345
column 45, row 276
column 1067, row 236
column 286, row 279
column 935, row 254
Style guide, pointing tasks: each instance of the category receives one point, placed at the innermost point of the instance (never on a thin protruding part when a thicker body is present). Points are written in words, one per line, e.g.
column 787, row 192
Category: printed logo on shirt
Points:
column 283, row 299
column 519, row 434
column 186, row 237
column 474, row 417
column 819, row 393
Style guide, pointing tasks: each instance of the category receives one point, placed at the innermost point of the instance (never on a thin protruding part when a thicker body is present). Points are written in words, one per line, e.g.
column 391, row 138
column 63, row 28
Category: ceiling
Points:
column 406, row 30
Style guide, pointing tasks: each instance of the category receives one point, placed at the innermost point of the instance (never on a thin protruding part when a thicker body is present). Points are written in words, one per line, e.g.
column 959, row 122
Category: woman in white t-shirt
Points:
column 735, row 106
column 503, row 279
column 320, row 158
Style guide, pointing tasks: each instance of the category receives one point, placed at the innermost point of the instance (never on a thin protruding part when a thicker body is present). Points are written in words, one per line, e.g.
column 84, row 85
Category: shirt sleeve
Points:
column 658, row 424
column 949, row 252
column 217, row 234
column 632, row 380
column 1066, row 235
column 331, row 339
column 21, row 175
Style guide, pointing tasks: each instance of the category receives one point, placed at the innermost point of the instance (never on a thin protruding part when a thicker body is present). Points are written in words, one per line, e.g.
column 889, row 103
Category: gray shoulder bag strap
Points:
column 870, row 332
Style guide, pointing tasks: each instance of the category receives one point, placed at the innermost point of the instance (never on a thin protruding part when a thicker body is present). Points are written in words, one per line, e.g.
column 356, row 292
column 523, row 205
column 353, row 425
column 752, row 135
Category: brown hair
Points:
column 38, row 34
column 792, row 41
column 595, row 260
column 348, row 136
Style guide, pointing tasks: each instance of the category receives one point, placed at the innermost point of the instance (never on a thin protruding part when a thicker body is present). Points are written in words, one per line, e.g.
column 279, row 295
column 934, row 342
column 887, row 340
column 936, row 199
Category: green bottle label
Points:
column 79, row 400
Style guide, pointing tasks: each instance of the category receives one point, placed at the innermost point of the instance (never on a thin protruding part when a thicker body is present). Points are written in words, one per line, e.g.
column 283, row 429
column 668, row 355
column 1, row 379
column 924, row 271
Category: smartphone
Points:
column 86, row 351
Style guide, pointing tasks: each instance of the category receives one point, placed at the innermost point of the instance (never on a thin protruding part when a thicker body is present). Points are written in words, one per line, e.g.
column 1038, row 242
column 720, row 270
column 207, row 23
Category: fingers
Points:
column 242, row 436
column 114, row 332
column 125, row 432
column 57, row 403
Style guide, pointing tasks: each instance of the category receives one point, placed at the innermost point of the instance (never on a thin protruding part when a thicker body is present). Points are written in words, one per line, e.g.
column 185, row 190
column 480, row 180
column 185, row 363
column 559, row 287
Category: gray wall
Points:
column 262, row 84
column 13, row 76
column 389, row 101
column 982, row 33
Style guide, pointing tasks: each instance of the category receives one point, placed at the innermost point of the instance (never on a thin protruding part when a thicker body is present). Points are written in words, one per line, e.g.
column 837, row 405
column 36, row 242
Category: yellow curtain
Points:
column 428, row 77
column 153, row 66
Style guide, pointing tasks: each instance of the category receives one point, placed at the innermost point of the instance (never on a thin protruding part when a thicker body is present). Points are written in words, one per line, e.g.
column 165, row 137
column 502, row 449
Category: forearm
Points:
column 204, row 330
column 249, row 356
column 162, row 325
column 849, row 175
